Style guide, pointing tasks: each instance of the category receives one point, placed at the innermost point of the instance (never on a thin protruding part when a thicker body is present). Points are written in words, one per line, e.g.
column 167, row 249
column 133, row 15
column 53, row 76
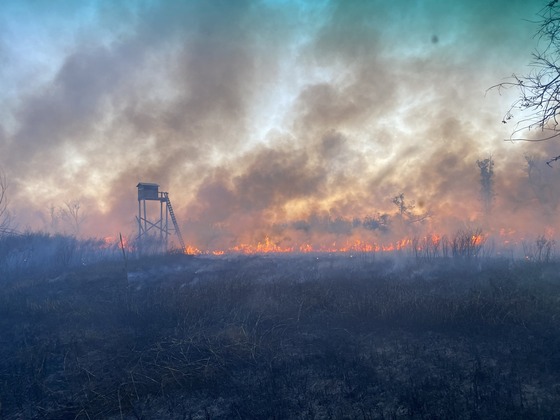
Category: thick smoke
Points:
column 297, row 122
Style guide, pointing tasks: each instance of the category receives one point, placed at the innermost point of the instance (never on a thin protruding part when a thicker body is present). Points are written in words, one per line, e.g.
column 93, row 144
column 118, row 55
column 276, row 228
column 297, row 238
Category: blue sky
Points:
column 259, row 112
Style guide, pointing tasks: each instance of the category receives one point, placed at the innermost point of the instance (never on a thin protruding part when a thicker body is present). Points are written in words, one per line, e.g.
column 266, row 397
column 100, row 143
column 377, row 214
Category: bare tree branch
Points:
column 548, row 162
column 406, row 210
column 539, row 90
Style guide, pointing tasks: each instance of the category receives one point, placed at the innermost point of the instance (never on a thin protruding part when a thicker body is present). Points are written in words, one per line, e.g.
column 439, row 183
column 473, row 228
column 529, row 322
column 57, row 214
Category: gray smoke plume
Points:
column 297, row 121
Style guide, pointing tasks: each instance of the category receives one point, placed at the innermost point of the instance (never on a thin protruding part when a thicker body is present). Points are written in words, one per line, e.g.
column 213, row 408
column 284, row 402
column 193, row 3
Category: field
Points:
column 366, row 336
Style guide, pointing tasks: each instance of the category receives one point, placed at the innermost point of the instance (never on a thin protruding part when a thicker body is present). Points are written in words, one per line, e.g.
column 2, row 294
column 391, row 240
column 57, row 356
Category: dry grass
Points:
column 283, row 337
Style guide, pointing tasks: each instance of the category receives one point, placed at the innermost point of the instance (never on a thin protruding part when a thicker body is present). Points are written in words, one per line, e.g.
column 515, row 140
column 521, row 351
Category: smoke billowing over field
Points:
column 293, row 121
column 359, row 239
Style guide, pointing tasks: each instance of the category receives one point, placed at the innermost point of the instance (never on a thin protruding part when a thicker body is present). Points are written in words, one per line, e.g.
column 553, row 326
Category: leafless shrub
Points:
column 429, row 247
column 41, row 254
column 467, row 244
column 73, row 215
column 541, row 251
column 66, row 219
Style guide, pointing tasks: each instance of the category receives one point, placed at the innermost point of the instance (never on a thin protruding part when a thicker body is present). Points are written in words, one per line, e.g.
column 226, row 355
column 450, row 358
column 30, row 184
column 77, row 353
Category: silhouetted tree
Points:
column 67, row 219
column 539, row 90
column 5, row 217
column 537, row 180
column 72, row 215
column 486, row 183
column 406, row 209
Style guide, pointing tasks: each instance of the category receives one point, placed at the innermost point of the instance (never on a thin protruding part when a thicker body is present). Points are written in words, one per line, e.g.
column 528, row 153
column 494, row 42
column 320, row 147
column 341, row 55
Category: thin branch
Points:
column 534, row 140
column 539, row 90
column 548, row 162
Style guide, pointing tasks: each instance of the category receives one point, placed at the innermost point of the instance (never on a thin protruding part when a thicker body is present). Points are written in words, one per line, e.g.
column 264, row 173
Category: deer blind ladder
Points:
column 174, row 220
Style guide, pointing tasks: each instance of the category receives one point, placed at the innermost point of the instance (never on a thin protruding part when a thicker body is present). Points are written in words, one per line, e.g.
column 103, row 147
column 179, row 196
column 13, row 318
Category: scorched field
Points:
column 357, row 336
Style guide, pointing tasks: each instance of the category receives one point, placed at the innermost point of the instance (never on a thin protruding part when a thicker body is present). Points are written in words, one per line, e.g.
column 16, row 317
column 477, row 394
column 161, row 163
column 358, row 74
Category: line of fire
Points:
column 159, row 232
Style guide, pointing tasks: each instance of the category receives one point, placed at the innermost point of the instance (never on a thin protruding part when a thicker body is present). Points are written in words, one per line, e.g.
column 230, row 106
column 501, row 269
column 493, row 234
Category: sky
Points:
column 263, row 116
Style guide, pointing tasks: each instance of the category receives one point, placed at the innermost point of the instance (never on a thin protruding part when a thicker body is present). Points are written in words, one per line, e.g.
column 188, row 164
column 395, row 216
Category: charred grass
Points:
column 283, row 337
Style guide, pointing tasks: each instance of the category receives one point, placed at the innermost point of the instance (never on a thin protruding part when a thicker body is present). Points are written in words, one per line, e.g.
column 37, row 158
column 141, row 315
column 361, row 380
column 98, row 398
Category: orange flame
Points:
column 268, row 246
column 432, row 244
column 110, row 241
column 477, row 240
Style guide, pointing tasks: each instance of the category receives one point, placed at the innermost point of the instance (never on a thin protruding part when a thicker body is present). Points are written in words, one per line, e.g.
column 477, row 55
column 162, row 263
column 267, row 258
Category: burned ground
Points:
column 307, row 336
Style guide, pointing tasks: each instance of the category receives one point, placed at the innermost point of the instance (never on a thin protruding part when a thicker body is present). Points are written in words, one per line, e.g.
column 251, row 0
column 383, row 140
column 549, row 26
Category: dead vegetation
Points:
column 282, row 337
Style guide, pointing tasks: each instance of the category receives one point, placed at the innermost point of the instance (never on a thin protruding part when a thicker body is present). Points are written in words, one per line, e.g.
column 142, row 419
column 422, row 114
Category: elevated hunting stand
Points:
column 150, row 192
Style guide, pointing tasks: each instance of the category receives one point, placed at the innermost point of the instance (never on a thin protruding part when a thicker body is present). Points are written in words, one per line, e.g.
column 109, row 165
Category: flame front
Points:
column 268, row 246
column 465, row 243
